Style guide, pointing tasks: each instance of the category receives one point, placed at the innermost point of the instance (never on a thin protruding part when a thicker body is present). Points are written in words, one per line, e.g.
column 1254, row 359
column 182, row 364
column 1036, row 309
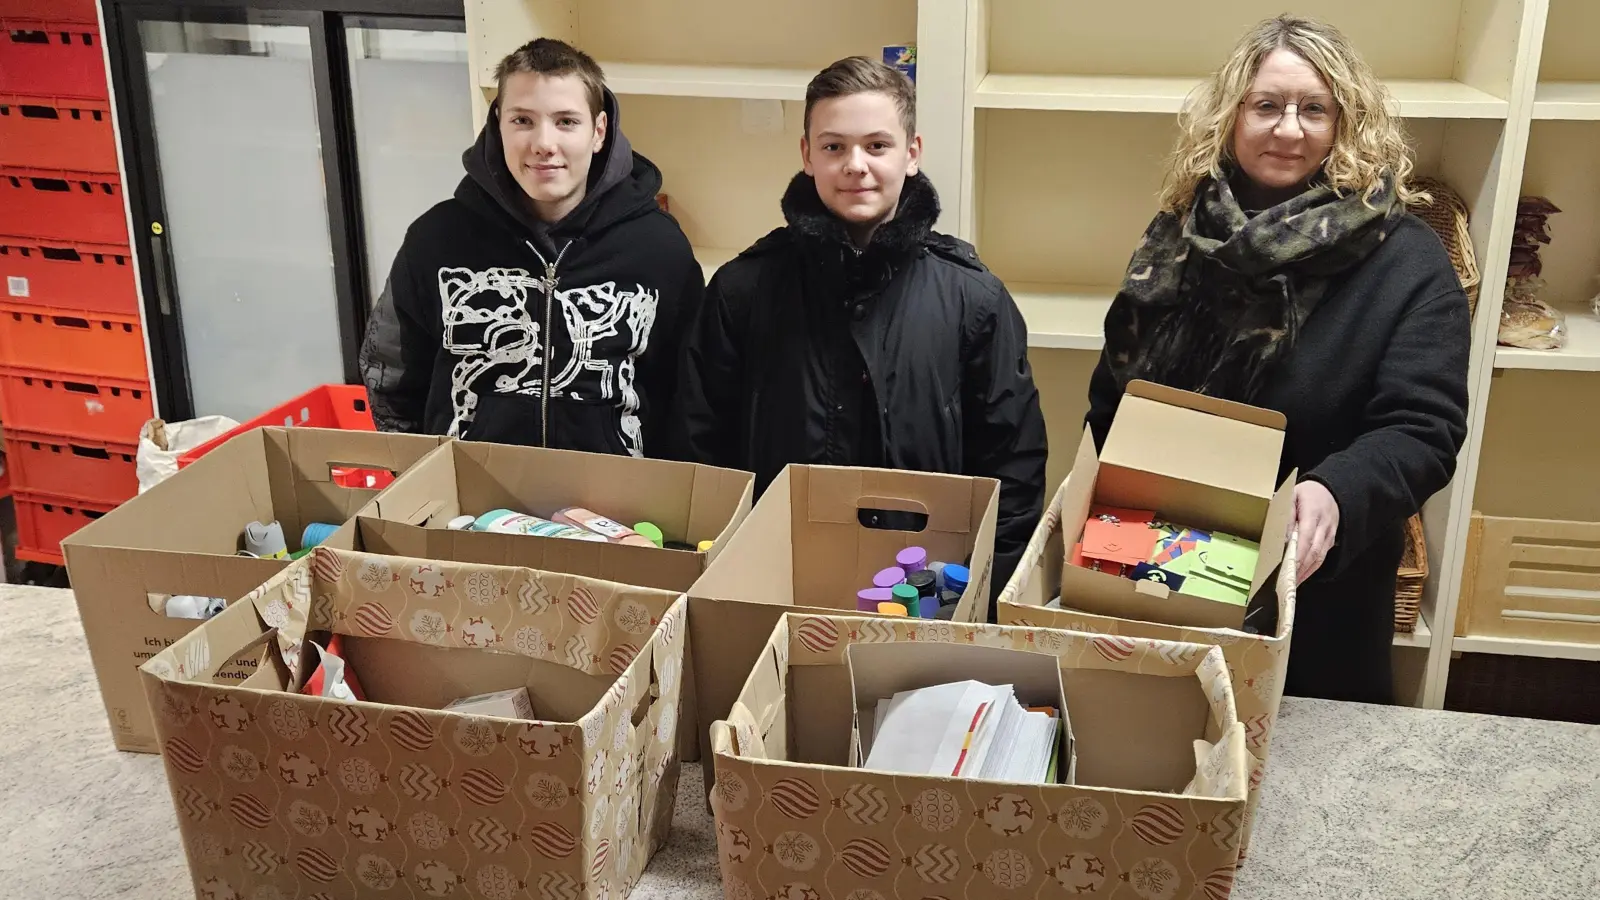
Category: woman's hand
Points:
column 1316, row 515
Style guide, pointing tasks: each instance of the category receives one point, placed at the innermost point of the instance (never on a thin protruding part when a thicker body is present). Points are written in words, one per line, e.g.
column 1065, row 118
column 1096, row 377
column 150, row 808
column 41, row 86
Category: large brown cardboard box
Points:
column 1155, row 813
column 280, row 794
column 815, row 538
column 1196, row 461
column 183, row 535
column 1257, row 663
column 689, row 503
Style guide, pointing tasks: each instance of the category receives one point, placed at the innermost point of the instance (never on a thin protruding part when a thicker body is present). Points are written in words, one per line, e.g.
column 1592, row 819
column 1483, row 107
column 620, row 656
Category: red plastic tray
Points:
column 64, row 340
column 81, row 12
column 93, row 409
column 51, row 58
column 44, row 521
column 69, row 467
column 84, row 277
column 49, row 133
column 342, row 406
column 76, row 207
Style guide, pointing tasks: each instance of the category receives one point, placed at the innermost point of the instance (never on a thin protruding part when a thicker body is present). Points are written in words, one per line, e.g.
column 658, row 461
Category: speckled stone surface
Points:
column 1361, row 802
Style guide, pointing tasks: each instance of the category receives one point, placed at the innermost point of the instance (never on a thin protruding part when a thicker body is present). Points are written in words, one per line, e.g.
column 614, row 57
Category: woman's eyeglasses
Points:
column 1263, row 110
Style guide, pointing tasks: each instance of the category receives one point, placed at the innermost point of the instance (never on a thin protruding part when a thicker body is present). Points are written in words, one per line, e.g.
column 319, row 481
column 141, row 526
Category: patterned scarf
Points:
column 1214, row 298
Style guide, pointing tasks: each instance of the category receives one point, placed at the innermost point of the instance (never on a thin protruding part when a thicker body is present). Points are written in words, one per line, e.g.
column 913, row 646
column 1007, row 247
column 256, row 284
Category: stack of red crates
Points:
column 74, row 389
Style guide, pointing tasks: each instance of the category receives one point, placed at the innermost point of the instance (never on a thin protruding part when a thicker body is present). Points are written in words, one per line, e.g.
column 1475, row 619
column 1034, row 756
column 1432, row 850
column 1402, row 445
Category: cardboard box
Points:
column 1155, row 813
column 1197, row 461
column 281, row 794
column 690, row 503
column 816, row 537
column 1257, row 663
column 182, row 537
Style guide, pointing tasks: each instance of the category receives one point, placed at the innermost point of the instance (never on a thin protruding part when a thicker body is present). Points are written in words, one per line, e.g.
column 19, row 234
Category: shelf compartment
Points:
column 1567, row 100
column 1521, row 647
column 699, row 48
column 1421, row 638
column 1581, row 354
column 1417, row 98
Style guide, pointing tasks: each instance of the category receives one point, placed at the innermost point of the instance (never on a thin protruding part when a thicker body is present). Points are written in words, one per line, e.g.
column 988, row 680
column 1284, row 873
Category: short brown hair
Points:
column 548, row 56
column 862, row 75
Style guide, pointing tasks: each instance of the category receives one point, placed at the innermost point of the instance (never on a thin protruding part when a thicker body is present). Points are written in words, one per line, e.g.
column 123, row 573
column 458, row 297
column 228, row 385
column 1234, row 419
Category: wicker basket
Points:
column 1408, row 582
column 1447, row 216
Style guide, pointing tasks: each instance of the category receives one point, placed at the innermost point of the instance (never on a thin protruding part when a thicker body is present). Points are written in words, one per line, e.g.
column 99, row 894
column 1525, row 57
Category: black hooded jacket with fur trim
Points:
column 906, row 354
column 488, row 311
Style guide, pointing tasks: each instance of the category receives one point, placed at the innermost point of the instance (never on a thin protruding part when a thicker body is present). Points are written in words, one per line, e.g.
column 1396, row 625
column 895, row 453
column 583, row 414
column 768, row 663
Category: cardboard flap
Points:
column 835, row 495
column 1228, row 409
column 1279, row 516
column 1195, row 439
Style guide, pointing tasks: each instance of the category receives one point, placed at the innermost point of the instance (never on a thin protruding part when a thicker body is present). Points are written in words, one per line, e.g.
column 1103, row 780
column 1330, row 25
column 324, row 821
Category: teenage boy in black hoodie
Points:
column 544, row 303
column 857, row 335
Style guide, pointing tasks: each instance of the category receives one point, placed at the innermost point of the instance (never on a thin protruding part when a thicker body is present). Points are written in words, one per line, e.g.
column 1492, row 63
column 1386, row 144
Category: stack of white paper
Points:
column 964, row 729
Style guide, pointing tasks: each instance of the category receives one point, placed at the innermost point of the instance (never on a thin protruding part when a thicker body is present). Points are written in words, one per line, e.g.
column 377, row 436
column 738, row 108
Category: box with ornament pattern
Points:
column 1154, row 810
column 285, row 791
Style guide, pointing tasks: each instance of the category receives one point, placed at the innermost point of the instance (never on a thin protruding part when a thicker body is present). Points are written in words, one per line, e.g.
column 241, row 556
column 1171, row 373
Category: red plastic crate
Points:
column 93, row 409
column 62, row 206
column 62, row 340
column 69, row 467
column 83, row 277
column 47, row 133
column 50, row 58
column 342, row 406
column 44, row 521
column 81, row 12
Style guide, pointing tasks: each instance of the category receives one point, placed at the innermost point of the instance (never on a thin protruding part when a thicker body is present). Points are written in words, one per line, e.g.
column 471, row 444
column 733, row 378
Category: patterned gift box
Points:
column 1257, row 663
column 794, row 823
column 283, row 795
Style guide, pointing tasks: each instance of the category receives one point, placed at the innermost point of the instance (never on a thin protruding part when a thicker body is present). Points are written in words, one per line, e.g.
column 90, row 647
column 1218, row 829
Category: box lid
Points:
column 1188, row 436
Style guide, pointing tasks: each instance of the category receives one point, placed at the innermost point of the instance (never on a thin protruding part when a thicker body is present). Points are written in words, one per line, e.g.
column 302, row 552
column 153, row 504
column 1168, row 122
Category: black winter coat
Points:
column 1375, row 392
column 908, row 354
column 489, row 311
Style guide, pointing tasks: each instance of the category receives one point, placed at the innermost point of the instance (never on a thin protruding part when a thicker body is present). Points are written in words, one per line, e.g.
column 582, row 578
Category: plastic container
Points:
column 81, row 12
column 67, row 467
column 62, row 206
column 956, row 578
column 44, row 521
column 506, row 521
column 52, row 57
column 341, row 406
column 102, row 344
column 912, row 559
column 96, row 278
column 110, row 410
column 58, row 133
column 888, row 578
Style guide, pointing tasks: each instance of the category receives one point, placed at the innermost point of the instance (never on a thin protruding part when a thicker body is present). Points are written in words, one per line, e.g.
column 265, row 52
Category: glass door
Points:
column 276, row 154
column 413, row 119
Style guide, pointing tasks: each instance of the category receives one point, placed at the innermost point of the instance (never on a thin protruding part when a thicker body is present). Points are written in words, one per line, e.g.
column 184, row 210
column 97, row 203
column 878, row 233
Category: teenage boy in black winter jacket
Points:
column 544, row 303
column 857, row 335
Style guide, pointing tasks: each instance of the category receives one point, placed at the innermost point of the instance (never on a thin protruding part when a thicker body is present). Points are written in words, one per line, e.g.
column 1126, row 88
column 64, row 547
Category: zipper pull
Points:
column 550, row 279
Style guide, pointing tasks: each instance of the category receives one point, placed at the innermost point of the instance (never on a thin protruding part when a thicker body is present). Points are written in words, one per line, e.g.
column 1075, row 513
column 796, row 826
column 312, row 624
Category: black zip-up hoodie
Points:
column 495, row 326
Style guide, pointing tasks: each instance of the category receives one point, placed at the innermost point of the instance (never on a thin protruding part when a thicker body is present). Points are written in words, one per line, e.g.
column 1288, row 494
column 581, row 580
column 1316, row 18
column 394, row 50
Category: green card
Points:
column 1198, row 585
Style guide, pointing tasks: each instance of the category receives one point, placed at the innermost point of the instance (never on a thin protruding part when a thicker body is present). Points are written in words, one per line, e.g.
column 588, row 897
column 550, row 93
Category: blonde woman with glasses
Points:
column 1284, row 271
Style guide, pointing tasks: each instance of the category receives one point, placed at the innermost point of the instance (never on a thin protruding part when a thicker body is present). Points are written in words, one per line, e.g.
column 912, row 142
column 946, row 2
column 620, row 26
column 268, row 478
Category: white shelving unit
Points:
column 1046, row 127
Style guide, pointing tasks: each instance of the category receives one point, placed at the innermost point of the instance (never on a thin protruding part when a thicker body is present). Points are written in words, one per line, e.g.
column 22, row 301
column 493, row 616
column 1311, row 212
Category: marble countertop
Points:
column 1361, row 802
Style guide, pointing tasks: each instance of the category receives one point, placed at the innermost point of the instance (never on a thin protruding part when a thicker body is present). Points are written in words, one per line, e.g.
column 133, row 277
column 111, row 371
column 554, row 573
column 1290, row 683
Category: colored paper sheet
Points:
column 1126, row 544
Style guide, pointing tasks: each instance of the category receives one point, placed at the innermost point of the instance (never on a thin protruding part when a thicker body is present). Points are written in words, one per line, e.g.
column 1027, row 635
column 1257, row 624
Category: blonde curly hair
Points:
column 1369, row 140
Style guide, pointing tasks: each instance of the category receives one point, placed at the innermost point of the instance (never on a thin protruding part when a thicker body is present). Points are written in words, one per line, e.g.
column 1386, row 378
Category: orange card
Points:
column 1129, row 544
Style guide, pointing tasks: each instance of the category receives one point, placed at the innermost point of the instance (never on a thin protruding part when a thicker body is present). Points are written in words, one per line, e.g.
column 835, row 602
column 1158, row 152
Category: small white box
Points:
column 512, row 704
